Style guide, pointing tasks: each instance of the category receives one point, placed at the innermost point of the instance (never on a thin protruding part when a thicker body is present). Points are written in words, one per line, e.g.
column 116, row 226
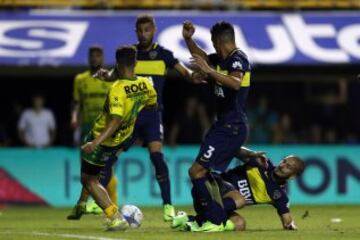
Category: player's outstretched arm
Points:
column 106, row 75
column 287, row 222
column 233, row 80
column 245, row 154
column 196, row 77
column 109, row 130
column 75, row 115
column 188, row 32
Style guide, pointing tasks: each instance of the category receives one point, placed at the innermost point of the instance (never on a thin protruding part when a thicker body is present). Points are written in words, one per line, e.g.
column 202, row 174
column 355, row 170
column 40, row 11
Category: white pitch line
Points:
column 62, row 235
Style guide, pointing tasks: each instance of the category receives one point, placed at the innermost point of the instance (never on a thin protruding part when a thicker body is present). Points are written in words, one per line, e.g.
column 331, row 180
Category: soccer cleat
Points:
column 169, row 212
column 93, row 208
column 190, row 226
column 117, row 225
column 77, row 211
column 229, row 226
column 179, row 220
column 207, row 227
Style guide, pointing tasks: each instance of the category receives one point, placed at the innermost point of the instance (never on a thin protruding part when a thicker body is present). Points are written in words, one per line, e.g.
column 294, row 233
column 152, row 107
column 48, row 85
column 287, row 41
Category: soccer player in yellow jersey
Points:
column 88, row 97
column 113, row 129
column 153, row 61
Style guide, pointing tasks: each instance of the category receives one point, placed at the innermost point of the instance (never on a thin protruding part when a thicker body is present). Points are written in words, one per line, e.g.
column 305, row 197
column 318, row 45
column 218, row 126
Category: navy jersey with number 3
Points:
column 230, row 102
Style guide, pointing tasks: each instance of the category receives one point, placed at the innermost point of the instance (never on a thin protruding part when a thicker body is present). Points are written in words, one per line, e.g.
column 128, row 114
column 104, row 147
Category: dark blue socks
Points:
column 210, row 209
column 162, row 175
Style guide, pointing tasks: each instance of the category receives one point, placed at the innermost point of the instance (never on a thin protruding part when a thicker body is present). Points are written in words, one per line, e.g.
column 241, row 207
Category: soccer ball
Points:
column 133, row 215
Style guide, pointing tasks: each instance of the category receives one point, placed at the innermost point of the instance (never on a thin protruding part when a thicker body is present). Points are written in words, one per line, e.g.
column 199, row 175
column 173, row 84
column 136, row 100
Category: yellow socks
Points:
column 111, row 211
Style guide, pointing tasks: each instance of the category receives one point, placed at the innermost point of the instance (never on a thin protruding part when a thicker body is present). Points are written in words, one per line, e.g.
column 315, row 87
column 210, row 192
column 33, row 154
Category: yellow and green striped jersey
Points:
column 90, row 93
column 125, row 99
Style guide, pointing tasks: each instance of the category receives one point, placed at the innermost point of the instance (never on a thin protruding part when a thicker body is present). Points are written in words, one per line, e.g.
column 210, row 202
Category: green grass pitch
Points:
column 262, row 223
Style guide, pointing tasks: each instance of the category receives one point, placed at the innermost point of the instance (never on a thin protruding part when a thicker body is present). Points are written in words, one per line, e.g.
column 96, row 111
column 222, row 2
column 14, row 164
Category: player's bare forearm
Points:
column 109, row 130
column 187, row 32
column 230, row 81
column 195, row 49
column 184, row 71
column 75, row 115
column 245, row 154
column 106, row 75
column 233, row 80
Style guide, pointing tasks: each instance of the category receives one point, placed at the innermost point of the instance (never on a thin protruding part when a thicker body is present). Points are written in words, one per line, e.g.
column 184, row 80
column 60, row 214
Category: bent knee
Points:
column 239, row 202
column 197, row 171
column 87, row 180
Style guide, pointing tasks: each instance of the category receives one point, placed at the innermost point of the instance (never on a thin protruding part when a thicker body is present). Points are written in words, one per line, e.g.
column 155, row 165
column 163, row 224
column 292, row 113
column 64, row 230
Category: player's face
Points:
column 96, row 59
column 286, row 168
column 216, row 44
column 145, row 34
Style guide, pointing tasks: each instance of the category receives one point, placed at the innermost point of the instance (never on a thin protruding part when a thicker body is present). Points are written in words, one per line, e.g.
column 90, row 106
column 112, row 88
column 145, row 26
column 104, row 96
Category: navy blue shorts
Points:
column 148, row 127
column 221, row 144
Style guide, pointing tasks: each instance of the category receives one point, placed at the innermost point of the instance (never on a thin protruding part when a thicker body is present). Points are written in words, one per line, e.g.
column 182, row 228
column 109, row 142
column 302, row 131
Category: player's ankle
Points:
column 112, row 212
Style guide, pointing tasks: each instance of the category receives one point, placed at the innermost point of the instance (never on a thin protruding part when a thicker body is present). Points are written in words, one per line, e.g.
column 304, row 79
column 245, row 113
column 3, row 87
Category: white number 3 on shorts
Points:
column 209, row 152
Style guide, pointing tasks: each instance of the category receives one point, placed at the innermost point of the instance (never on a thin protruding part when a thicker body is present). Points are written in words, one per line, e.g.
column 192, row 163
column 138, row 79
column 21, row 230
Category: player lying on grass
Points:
column 258, row 181
column 113, row 129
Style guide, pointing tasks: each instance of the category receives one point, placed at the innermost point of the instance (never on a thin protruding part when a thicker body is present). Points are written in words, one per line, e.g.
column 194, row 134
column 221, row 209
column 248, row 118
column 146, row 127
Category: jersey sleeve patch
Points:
column 238, row 63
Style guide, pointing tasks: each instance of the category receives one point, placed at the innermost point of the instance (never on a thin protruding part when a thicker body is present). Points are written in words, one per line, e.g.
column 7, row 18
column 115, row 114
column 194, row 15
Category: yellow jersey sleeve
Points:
column 116, row 104
column 77, row 89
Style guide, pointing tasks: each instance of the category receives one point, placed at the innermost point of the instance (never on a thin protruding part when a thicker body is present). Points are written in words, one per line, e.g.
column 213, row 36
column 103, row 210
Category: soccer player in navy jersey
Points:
column 228, row 70
column 257, row 181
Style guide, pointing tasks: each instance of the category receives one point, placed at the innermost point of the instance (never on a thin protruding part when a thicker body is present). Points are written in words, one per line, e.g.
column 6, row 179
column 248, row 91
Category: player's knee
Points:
column 197, row 171
column 239, row 201
column 84, row 180
column 87, row 180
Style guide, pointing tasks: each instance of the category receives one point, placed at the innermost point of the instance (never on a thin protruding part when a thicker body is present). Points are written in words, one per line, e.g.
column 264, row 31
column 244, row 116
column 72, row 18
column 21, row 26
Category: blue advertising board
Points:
column 62, row 37
column 332, row 175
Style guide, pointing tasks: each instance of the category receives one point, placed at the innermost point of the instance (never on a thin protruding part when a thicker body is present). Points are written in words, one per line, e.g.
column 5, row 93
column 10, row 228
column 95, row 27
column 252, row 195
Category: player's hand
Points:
column 198, row 77
column 291, row 226
column 102, row 74
column 198, row 61
column 261, row 159
column 188, row 29
column 88, row 147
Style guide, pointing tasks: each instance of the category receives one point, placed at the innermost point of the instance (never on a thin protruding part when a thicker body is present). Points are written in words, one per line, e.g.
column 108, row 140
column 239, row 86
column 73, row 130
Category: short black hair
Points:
column 126, row 56
column 224, row 30
column 141, row 19
column 95, row 48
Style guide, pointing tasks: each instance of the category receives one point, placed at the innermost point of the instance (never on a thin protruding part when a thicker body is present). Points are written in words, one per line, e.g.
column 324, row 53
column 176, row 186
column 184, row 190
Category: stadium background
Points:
column 304, row 97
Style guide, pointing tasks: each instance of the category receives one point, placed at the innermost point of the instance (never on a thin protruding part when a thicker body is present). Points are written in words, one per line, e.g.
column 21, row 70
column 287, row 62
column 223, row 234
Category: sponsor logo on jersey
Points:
column 245, row 191
column 134, row 88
